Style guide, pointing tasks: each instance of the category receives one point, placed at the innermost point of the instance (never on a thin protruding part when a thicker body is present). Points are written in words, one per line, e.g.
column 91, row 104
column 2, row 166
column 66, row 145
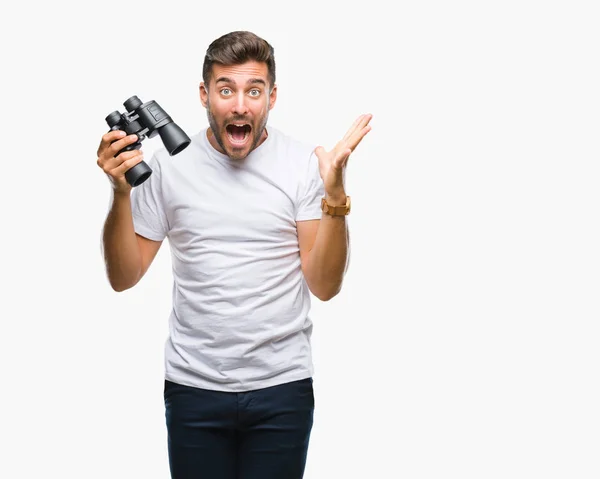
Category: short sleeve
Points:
column 147, row 206
column 311, row 191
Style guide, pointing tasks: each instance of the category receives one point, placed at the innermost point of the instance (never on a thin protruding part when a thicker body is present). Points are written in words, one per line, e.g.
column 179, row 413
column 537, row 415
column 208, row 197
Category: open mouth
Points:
column 238, row 132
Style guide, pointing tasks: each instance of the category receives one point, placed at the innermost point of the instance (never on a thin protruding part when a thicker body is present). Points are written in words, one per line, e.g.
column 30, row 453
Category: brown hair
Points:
column 235, row 48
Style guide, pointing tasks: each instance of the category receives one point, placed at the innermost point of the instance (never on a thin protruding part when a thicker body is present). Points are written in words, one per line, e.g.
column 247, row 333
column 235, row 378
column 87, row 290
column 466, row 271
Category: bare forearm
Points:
column 122, row 253
column 328, row 257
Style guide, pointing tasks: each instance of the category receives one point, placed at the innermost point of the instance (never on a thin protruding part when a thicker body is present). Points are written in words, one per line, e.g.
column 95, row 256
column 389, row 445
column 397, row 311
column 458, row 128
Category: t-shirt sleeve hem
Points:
column 309, row 216
column 148, row 233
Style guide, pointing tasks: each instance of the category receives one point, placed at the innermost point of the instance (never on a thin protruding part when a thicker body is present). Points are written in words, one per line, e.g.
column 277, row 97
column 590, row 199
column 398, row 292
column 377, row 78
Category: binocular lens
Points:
column 174, row 138
column 113, row 119
column 132, row 103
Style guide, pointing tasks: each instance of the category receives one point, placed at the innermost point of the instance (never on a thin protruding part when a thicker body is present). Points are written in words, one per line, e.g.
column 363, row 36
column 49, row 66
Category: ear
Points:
column 203, row 94
column 272, row 97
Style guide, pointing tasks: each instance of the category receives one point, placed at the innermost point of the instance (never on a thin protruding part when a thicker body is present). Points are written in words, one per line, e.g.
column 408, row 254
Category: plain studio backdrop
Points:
column 464, row 343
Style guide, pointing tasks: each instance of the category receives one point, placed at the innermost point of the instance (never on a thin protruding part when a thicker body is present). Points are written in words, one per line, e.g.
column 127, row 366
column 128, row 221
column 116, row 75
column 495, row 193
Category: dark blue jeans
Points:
column 260, row 434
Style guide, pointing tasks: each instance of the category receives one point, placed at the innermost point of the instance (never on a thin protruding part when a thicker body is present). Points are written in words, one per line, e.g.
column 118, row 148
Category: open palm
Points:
column 332, row 163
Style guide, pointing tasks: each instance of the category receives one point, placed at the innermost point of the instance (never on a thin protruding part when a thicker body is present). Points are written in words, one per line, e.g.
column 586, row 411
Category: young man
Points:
column 256, row 221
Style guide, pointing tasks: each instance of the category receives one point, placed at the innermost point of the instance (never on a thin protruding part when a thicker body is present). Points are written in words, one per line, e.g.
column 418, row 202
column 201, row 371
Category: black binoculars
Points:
column 146, row 120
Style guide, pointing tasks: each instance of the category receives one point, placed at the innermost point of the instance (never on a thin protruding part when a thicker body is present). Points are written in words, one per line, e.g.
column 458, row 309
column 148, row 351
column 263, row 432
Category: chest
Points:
column 237, row 207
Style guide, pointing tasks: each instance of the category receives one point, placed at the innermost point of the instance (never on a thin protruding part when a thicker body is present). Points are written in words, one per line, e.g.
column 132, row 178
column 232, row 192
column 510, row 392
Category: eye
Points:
column 225, row 91
column 254, row 92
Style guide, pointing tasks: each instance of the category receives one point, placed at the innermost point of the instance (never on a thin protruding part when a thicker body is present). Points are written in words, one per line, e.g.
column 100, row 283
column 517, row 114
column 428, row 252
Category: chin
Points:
column 241, row 152
column 238, row 155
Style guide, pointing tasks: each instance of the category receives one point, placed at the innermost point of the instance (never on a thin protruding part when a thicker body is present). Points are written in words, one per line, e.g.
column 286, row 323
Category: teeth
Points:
column 246, row 135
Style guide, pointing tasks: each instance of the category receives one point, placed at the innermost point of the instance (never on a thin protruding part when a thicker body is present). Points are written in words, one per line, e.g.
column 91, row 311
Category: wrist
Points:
column 120, row 195
column 337, row 198
column 330, row 207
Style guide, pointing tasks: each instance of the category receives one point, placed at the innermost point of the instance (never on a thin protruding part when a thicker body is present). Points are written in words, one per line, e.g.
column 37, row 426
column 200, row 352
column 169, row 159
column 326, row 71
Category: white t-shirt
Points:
column 240, row 317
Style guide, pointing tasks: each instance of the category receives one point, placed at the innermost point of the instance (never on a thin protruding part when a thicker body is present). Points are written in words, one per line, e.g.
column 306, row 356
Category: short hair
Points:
column 239, row 47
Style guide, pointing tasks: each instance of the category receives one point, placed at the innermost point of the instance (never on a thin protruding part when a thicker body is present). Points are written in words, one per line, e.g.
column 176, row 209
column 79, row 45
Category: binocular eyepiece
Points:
column 146, row 120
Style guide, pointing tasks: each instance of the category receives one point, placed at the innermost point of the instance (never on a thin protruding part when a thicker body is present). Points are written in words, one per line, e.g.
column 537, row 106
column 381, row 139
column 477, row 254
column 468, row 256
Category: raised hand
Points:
column 115, row 167
column 332, row 164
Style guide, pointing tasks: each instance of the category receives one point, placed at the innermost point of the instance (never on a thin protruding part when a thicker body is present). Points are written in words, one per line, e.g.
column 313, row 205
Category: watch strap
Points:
column 341, row 210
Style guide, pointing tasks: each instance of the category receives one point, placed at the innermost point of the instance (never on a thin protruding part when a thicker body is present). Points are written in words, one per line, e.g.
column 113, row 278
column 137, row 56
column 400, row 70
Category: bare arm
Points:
column 127, row 255
column 324, row 252
column 325, row 243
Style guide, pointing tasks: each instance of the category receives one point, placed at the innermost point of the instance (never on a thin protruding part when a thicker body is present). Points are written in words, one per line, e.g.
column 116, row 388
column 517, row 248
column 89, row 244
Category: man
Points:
column 256, row 221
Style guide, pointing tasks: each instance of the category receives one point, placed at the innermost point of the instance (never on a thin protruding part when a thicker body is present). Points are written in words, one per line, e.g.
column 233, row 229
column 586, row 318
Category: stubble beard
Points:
column 219, row 132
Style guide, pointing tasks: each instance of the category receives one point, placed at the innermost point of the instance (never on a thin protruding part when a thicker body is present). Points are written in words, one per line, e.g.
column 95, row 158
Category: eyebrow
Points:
column 252, row 81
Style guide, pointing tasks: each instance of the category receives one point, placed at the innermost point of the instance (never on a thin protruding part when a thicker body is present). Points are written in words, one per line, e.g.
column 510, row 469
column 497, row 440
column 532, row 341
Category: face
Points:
column 237, row 103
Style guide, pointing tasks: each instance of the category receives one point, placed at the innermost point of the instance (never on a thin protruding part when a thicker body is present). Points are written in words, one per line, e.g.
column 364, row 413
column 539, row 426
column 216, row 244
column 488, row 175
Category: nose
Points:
column 239, row 106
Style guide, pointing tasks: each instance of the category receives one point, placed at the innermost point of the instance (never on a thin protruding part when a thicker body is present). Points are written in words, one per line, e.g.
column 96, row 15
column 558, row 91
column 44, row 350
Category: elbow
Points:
column 324, row 286
column 121, row 279
column 120, row 284
column 325, row 297
column 327, row 293
column 119, row 287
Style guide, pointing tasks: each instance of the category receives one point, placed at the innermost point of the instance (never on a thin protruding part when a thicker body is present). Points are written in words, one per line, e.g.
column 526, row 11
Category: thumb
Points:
column 319, row 151
column 341, row 160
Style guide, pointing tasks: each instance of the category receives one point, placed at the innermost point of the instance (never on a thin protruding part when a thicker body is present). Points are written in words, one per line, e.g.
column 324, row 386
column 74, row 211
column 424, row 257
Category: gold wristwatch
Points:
column 342, row 210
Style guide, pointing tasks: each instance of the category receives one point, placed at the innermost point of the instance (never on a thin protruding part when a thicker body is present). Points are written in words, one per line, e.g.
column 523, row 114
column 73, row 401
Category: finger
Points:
column 126, row 165
column 358, row 125
column 108, row 138
column 367, row 117
column 320, row 152
column 110, row 163
column 118, row 145
column 357, row 137
column 363, row 121
column 353, row 128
